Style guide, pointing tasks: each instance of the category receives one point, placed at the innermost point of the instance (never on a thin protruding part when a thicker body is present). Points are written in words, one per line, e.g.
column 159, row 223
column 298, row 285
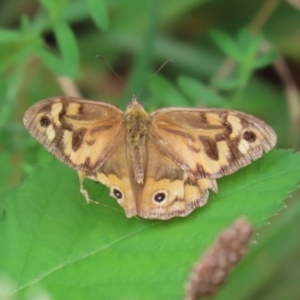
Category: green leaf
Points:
column 48, row 4
column 265, row 60
column 10, row 36
column 10, row 87
column 25, row 24
column 5, row 172
column 68, row 63
column 226, row 43
column 200, row 93
column 68, row 47
column 52, row 241
column 143, row 63
column 51, row 61
column 98, row 13
column 249, row 43
column 55, row 8
column 165, row 93
column 227, row 84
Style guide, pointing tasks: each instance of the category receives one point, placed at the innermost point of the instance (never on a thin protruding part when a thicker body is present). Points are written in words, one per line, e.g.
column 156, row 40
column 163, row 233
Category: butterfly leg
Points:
column 81, row 175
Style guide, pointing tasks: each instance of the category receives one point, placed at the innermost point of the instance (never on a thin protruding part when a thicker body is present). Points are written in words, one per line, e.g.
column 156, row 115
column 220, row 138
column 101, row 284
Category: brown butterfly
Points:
column 157, row 165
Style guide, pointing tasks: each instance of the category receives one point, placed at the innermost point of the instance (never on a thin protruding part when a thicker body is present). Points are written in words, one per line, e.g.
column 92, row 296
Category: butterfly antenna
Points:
column 112, row 69
column 159, row 69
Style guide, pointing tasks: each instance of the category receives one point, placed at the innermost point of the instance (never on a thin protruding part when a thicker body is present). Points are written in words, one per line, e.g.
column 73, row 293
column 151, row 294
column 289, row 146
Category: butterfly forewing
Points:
column 81, row 133
column 210, row 143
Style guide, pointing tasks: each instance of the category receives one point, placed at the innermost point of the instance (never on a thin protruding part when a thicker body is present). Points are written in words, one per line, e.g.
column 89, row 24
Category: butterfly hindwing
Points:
column 168, row 190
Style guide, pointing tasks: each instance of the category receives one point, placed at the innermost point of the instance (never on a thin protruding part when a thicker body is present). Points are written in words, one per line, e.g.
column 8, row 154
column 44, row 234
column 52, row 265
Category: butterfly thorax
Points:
column 137, row 122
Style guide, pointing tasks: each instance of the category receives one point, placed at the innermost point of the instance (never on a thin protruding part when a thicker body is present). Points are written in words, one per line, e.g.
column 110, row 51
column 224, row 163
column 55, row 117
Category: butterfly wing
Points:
column 79, row 132
column 117, row 174
column 184, row 154
column 188, row 149
column 168, row 190
column 210, row 143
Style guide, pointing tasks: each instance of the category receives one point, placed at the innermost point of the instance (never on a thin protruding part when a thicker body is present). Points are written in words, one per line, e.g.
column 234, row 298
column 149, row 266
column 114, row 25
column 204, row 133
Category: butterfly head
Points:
column 135, row 108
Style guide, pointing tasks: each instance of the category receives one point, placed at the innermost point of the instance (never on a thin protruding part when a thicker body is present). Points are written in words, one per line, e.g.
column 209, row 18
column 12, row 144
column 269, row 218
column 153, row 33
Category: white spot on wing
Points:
column 50, row 133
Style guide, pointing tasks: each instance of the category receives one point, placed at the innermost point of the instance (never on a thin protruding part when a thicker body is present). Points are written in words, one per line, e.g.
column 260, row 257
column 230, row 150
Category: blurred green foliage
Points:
column 223, row 54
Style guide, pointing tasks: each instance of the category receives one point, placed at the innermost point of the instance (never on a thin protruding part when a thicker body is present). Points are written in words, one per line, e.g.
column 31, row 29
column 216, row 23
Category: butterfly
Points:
column 159, row 165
